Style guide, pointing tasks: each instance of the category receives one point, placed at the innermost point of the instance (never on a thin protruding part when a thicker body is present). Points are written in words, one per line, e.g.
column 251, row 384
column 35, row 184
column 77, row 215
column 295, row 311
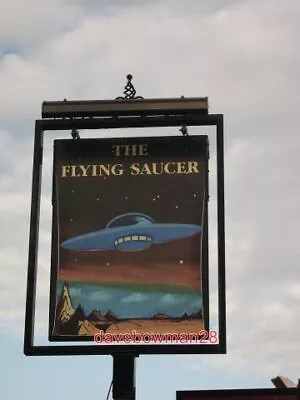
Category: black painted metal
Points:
column 124, row 377
column 129, row 122
column 122, row 122
column 84, row 350
column 33, row 239
column 89, row 109
column 221, row 231
column 129, row 90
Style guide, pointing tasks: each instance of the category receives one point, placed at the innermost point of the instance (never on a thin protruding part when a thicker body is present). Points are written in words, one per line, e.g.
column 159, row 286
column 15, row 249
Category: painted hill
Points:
column 160, row 316
column 110, row 316
column 96, row 316
column 197, row 315
column 87, row 329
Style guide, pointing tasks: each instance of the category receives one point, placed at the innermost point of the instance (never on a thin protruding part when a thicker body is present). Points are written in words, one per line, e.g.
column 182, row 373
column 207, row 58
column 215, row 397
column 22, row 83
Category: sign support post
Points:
column 124, row 376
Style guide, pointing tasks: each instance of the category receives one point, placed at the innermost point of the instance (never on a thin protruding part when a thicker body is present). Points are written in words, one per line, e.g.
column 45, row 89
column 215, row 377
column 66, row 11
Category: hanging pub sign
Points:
column 129, row 241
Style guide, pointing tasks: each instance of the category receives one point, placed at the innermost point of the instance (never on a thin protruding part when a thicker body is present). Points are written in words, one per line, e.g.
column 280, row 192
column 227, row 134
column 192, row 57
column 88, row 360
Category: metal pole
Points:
column 33, row 239
column 124, row 376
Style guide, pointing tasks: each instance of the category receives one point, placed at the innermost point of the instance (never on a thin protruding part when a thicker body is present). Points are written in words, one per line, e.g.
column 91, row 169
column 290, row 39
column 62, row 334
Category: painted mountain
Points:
column 71, row 321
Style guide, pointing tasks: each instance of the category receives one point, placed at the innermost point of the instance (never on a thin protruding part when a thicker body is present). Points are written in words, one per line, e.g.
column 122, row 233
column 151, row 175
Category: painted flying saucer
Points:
column 131, row 232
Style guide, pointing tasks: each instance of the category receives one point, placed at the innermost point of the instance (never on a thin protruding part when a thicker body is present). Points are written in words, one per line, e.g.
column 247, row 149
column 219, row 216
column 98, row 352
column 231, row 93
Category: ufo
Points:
column 131, row 232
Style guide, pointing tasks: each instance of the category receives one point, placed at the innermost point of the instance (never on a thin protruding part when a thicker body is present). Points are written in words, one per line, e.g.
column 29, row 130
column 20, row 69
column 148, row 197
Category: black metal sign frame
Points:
column 167, row 118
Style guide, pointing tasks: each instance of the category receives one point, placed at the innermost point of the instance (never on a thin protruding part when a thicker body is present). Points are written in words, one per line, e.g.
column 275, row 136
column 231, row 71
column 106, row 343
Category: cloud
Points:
column 244, row 55
column 169, row 299
column 134, row 298
column 36, row 17
column 75, row 292
column 99, row 296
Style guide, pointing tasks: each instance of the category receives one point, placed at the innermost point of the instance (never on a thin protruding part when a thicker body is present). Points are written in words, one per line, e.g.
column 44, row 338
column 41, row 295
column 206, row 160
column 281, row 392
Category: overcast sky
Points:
column 243, row 55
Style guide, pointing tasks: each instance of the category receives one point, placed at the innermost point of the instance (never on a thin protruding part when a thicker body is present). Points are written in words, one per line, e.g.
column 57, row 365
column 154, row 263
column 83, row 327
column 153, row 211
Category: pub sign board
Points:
column 130, row 241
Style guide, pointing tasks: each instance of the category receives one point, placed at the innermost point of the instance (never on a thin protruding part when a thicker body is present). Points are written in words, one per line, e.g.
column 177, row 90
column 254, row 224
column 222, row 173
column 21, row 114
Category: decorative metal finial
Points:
column 129, row 90
column 184, row 130
column 75, row 134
